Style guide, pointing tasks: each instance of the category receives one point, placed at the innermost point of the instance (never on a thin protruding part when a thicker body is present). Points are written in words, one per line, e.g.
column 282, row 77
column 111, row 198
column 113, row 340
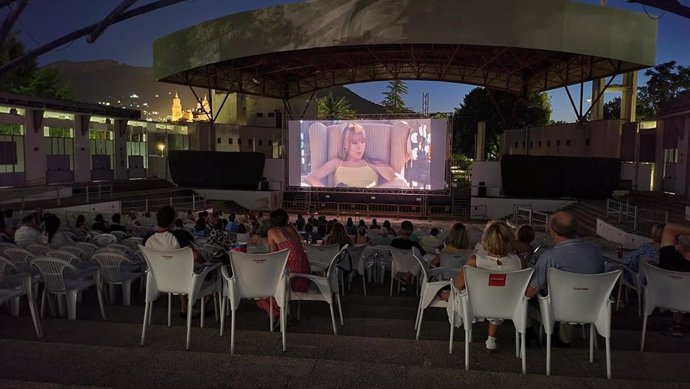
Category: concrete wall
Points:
column 488, row 172
column 626, row 239
column 256, row 200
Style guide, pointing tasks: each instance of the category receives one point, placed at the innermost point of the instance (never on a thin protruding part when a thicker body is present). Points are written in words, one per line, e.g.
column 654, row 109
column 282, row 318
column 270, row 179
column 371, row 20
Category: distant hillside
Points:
column 111, row 81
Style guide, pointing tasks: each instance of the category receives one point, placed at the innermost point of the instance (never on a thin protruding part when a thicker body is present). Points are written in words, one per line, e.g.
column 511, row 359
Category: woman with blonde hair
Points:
column 457, row 242
column 353, row 169
column 497, row 254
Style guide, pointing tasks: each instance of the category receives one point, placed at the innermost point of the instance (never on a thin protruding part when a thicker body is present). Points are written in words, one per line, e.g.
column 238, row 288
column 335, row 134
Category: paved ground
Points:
column 375, row 348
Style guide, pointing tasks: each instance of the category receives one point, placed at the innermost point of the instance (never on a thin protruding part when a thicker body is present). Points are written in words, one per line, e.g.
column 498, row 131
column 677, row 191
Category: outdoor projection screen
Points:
column 385, row 154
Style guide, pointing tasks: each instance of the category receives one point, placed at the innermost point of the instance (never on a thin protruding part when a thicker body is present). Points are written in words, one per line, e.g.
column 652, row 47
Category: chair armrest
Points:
column 321, row 282
column 547, row 319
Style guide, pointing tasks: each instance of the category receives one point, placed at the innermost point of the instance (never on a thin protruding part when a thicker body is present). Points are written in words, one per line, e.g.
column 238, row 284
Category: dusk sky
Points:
column 130, row 41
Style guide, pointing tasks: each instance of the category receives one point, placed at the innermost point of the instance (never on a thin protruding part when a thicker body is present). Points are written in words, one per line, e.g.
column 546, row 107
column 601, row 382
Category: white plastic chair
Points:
column 76, row 251
column 255, row 276
column 52, row 270
column 20, row 257
column 455, row 260
column 402, row 261
column 428, row 295
column 23, row 288
column 7, row 245
column 133, row 243
column 664, row 289
column 103, row 240
column 88, row 248
column 172, row 272
column 37, row 249
column 118, row 269
column 120, row 235
column 496, row 295
column 355, row 263
column 579, row 298
column 328, row 286
column 320, row 256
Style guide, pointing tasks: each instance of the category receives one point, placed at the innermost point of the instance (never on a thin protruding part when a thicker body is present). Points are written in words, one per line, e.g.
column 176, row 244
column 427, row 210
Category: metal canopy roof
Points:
column 521, row 46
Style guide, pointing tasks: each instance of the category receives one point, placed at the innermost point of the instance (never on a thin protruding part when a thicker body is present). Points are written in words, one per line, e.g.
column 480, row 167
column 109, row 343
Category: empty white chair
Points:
column 118, row 269
column 428, row 295
column 255, row 276
column 579, row 298
column 320, row 256
column 21, row 288
column 103, row 240
column 327, row 287
column 455, row 260
column 172, row 272
column 664, row 289
column 88, row 248
column 52, row 270
column 402, row 261
column 37, row 249
column 495, row 295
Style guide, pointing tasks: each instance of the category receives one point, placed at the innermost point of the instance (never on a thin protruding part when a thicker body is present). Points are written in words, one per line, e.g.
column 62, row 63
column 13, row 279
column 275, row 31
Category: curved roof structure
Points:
column 521, row 46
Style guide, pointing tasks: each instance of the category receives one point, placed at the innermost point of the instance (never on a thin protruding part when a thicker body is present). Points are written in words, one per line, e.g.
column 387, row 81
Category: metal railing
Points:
column 526, row 215
column 358, row 209
column 632, row 215
column 194, row 202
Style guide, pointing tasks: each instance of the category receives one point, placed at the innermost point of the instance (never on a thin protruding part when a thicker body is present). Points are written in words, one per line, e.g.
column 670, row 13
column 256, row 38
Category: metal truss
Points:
column 285, row 75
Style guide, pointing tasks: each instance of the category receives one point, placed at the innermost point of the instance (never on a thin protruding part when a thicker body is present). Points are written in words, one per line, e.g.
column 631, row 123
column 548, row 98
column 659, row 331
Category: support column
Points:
column 629, row 97
column 120, row 150
column 480, row 151
column 659, row 158
column 597, row 112
column 82, row 149
column 34, row 148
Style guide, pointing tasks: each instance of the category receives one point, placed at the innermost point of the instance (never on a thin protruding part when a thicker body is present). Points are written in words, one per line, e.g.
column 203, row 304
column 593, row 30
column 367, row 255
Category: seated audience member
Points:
column 650, row 249
column 338, row 236
column 283, row 236
column 568, row 254
column 11, row 220
column 300, row 223
column 322, row 229
column 218, row 237
column 179, row 224
column 133, row 220
column 52, row 236
column 350, row 227
column 99, row 224
column 524, row 235
column 374, row 226
column 242, row 235
column 310, row 235
column 362, row 224
column 200, row 229
column 6, row 232
column 80, row 223
column 431, row 242
column 403, row 242
column 232, row 224
column 190, row 216
column 260, row 237
column 387, row 226
column 165, row 238
column 457, row 243
column 380, row 237
column 115, row 223
column 674, row 255
column 362, row 237
column 498, row 254
column 28, row 232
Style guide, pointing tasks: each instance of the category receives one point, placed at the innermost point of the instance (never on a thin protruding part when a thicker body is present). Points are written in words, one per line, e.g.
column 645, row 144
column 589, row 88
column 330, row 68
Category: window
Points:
column 239, row 141
column 548, row 143
column 230, row 141
column 271, row 114
column 218, row 140
column 11, row 129
column 251, row 142
column 259, row 114
column 539, row 144
column 260, row 142
column 558, row 143
column 567, row 142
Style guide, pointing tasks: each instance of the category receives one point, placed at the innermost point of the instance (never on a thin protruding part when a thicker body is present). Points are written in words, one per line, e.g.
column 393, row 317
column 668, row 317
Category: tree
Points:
column 334, row 107
column 513, row 112
column 393, row 100
column 667, row 83
column 612, row 108
column 27, row 78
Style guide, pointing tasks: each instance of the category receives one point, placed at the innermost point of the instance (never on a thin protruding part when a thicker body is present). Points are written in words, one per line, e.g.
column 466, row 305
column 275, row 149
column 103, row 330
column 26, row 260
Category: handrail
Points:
column 536, row 219
column 634, row 214
column 194, row 202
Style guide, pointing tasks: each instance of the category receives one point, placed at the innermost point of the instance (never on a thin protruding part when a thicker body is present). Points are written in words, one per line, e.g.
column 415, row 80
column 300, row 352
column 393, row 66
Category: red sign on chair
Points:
column 497, row 280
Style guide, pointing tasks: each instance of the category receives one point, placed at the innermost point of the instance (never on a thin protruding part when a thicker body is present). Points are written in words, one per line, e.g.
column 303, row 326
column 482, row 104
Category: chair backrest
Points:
column 110, row 263
column 577, row 297
column 120, row 235
column 351, row 261
column 76, row 251
column 322, row 254
column 103, row 240
column 7, row 268
column 88, row 248
column 455, row 259
column 332, row 271
column 665, row 288
column 120, row 248
column 172, row 270
column 493, row 294
column 64, row 255
column 403, row 259
column 257, row 275
column 37, row 249
column 17, row 255
column 52, row 272
column 133, row 243
column 7, row 245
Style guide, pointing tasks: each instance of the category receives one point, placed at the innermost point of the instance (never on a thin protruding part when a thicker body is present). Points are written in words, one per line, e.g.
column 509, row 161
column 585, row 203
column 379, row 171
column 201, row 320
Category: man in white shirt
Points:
column 28, row 233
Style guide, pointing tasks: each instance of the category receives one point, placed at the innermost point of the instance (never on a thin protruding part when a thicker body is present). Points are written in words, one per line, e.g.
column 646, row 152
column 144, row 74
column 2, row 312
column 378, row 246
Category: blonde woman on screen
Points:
column 352, row 169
